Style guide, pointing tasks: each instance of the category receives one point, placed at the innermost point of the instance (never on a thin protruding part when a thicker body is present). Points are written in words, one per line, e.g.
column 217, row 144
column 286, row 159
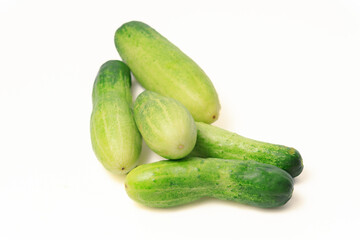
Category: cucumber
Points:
column 161, row 67
column 219, row 143
column 115, row 138
column 165, row 124
column 175, row 182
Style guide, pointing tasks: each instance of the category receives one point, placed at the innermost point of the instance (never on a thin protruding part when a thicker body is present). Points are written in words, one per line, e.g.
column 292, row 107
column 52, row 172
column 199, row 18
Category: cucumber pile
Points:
column 173, row 116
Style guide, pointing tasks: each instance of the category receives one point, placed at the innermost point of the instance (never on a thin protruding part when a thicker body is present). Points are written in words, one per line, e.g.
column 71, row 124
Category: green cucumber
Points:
column 175, row 182
column 165, row 124
column 115, row 138
column 161, row 67
column 219, row 143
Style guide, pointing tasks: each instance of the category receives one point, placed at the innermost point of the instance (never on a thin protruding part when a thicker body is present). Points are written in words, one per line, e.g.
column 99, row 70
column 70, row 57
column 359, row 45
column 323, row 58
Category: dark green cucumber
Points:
column 115, row 138
column 219, row 143
column 175, row 182
column 161, row 67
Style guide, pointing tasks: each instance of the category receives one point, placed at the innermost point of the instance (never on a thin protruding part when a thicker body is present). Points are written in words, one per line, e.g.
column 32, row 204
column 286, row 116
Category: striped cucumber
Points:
column 171, row 183
column 115, row 138
column 219, row 143
column 165, row 124
column 161, row 67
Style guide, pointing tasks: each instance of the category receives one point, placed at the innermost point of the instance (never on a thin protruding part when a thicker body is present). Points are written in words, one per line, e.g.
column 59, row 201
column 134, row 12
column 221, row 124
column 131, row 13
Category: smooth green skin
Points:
column 219, row 143
column 171, row 183
column 165, row 124
column 161, row 67
column 115, row 138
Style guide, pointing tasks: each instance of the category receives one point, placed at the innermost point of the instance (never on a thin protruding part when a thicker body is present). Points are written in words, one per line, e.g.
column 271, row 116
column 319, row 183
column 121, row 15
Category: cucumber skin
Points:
column 113, row 78
column 115, row 138
column 171, row 183
column 165, row 124
column 161, row 67
column 219, row 143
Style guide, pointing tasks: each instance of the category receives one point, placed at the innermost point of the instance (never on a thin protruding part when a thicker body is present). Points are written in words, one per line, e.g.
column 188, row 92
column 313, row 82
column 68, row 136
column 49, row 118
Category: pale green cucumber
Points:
column 115, row 138
column 165, row 124
column 161, row 67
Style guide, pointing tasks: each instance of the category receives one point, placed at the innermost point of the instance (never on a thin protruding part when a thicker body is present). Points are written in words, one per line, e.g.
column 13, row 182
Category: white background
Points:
column 286, row 72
